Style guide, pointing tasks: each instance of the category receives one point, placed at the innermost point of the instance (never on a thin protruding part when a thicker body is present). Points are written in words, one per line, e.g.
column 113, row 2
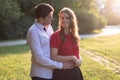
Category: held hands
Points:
column 68, row 65
column 74, row 62
column 77, row 62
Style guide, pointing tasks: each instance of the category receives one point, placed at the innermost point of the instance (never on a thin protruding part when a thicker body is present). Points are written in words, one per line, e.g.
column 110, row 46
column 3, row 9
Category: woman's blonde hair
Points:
column 73, row 28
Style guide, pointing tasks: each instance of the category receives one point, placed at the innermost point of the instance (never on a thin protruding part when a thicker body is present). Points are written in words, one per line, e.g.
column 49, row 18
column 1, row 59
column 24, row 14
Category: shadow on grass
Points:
column 18, row 49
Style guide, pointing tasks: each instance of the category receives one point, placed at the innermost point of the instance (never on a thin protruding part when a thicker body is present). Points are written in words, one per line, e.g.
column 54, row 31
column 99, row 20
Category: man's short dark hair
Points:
column 42, row 10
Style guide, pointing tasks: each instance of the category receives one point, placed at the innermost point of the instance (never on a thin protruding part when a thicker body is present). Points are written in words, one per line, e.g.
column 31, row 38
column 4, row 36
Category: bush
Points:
column 88, row 22
column 9, row 14
column 23, row 25
column 102, row 22
column 16, row 29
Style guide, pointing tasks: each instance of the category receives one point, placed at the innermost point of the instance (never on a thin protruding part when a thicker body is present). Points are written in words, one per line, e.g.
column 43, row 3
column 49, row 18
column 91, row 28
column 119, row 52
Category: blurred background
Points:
column 16, row 16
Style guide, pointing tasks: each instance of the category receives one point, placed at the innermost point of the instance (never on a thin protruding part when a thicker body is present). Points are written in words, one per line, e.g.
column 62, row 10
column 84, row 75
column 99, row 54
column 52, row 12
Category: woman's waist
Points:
column 64, row 53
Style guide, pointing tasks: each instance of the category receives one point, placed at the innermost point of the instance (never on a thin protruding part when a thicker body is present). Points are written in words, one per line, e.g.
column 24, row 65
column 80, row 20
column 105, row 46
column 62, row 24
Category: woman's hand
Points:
column 77, row 62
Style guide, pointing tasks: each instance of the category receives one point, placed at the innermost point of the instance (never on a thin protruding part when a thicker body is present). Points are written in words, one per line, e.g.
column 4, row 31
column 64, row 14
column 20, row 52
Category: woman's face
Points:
column 64, row 20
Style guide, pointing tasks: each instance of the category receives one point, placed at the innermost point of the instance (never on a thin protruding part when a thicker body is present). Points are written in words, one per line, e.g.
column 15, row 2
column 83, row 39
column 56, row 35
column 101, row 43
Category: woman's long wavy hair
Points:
column 73, row 28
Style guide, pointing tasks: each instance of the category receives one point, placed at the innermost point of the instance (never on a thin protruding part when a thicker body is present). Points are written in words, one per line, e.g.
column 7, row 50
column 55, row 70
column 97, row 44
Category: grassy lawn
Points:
column 14, row 63
column 94, row 71
column 107, row 46
column 15, row 60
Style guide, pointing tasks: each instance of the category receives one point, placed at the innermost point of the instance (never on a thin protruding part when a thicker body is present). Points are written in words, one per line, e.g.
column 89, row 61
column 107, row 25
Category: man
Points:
column 38, row 39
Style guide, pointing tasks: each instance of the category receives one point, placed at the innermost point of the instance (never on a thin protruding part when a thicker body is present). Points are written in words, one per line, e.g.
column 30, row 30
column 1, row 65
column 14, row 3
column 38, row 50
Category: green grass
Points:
column 94, row 71
column 14, row 63
column 108, row 46
column 15, row 60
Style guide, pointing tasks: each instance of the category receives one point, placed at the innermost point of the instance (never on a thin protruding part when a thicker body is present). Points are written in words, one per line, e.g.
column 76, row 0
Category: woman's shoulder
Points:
column 56, row 33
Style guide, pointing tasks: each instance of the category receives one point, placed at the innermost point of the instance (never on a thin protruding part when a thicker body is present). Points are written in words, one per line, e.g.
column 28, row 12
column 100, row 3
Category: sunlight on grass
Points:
column 94, row 71
column 15, row 66
column 107, row 46
column 97, row 31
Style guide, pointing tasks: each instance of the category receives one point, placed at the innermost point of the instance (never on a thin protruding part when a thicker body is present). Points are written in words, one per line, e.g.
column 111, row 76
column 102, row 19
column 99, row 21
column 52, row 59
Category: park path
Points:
column 108, row 30
column 11, row 43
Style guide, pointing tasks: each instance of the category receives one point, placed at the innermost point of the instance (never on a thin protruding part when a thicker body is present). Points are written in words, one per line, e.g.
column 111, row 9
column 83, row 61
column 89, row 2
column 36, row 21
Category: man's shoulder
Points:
column 33, row 28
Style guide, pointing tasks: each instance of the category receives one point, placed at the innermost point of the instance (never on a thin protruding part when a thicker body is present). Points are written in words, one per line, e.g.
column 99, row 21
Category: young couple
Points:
column 55, row 56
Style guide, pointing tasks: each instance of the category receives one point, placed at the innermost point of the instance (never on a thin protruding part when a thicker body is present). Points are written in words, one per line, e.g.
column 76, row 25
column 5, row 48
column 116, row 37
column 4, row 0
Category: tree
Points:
column 89, row 17
column 9, row 14
column 17, row 15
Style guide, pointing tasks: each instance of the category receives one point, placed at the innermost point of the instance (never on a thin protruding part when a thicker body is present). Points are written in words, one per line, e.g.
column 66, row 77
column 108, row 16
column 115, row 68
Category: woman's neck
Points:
column 66, row 31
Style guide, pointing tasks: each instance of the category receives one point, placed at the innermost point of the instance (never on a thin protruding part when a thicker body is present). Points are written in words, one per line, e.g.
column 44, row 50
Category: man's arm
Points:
column 34, row 44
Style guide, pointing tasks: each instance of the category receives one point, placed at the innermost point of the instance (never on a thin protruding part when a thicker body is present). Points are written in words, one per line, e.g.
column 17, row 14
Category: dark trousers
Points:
column 38, row 78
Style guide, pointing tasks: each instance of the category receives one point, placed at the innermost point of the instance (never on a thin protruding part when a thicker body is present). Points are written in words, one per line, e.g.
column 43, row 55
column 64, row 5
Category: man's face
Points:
column 47, row 20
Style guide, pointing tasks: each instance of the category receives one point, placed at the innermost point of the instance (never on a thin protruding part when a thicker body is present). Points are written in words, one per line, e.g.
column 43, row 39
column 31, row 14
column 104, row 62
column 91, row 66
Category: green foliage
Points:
column 102, row 22
column 18, row 28
column 89, row 18
column 23, row 25
column 17, row 15
column 86, row 22
column 27, row 6
column 10, row 13
column 87, row 4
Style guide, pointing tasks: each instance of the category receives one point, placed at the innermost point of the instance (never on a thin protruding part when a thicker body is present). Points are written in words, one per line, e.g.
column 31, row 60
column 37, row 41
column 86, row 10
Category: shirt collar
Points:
column 39, row 25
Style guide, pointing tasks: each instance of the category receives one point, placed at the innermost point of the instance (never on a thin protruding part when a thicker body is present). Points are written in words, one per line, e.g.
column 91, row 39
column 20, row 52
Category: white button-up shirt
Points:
column 39, row 43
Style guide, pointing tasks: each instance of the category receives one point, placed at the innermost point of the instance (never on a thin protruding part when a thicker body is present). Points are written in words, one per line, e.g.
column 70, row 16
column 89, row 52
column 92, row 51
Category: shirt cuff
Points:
column 60, row 65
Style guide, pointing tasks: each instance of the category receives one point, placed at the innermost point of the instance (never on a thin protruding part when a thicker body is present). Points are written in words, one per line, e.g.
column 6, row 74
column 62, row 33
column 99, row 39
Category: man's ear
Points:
column 40, row 19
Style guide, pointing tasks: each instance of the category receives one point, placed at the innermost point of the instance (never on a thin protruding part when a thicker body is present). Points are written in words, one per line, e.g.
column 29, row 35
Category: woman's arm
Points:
column 55, row 56
column 79, row 61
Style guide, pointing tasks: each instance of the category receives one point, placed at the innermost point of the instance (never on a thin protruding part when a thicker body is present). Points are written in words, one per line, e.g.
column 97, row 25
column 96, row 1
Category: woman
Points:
column 65, row 46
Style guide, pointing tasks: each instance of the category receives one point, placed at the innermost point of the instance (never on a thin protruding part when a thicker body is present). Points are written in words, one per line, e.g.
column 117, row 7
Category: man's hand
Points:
column 68, row 65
